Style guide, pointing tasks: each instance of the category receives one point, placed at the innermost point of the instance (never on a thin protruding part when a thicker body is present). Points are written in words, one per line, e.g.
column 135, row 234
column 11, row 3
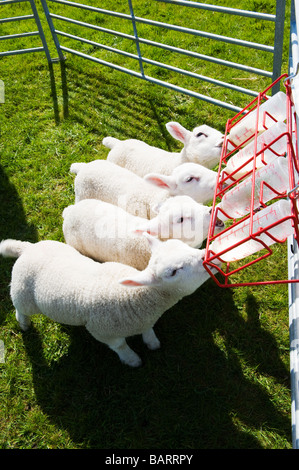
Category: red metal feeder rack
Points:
column 263, row 235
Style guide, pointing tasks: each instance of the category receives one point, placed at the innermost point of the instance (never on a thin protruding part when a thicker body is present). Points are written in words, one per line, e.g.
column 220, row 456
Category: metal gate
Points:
column 24, row 18
column 139, row 42
column 275, row 49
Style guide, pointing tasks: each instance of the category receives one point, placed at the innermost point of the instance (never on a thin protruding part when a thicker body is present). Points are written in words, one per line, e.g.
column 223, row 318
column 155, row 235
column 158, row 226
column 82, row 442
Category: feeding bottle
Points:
column 264, row 139
column 274, row 107
column 237, row 202
column 240, row 233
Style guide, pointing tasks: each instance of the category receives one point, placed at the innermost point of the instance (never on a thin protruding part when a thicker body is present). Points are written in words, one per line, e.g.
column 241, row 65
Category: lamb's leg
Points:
column 24, row 320
column 150, row 339
column 124, row 352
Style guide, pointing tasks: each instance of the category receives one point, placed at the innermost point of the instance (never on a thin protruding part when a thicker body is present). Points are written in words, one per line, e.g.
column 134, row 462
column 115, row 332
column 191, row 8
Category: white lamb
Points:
column 183, row 218
column 112, row 300
column 203, row 145
column 106, row 232
column 191, row 179
column 104, row 180
column 108, row 182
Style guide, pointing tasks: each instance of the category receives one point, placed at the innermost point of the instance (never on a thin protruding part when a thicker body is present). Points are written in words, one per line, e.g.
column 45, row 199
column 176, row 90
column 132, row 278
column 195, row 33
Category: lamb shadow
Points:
column 192, row 393
column 13, row 224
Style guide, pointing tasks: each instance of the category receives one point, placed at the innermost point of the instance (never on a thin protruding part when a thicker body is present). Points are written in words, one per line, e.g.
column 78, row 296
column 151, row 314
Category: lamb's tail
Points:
column 110, row 142
column 13, row 248
column 66, row 210
column 76, row 167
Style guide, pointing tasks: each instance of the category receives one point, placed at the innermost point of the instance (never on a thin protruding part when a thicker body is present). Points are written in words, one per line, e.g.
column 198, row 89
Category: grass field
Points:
column 221, row 378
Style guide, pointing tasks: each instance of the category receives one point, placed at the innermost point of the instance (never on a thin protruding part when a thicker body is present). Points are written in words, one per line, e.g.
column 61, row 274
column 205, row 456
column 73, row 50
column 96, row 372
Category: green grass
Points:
column 221, row 378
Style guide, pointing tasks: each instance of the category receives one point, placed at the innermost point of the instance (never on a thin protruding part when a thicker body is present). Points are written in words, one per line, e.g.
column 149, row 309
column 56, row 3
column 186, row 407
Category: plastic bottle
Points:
column 241, row 231
column 240, row 158
column 274, row 106
column 237, row 201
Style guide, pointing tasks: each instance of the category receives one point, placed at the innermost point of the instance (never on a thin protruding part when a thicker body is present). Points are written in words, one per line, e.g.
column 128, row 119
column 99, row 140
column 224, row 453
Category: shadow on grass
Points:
column 13, row 224
column 190, row 394
column 64, row 89
column 194, row 393
column 111, row 103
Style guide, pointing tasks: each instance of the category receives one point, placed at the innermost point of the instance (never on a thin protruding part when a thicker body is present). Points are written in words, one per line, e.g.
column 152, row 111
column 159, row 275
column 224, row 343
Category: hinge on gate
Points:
column 58, row 59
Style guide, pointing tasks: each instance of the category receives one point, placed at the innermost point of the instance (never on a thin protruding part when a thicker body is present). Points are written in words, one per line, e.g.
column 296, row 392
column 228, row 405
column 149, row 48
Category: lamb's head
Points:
column 190, row 179
column 173, row 266
column 182, row 218
column 203, row 145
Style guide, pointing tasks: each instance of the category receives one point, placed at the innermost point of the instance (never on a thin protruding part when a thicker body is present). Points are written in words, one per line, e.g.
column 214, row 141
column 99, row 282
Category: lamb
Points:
column 183, row 218
column 203, row 145
column 105, row 232
column 104, row 180
column 108, row 182
column 112, row 300
column 191, row 179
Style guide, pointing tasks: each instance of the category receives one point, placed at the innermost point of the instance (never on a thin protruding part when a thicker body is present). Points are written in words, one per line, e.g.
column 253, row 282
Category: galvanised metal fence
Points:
column 139, row 42
column 275, row 49
column 34, row 16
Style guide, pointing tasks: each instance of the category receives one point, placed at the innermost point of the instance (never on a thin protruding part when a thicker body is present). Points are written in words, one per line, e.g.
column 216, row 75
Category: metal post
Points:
column 40, row 30
column 52, row 29
column 278, row 43
column 293, row 265
column 136, row 37
column 293, row 252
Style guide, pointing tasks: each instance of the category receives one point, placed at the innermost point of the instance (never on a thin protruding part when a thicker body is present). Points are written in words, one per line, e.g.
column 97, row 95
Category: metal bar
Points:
column 293, row 273
column 96, row 44
column 52, row 29
column 82, row 6
column 294, row 56
column 218, row 9
column 180, row 29
column 136, row 36
column 22, row 51
column 217, row 37
column 21, row 35
column 17, row 18
column 293, row 252
column 7, row 2
column 232, row 11
column 160, row 64
column 103, row 62
column 91, row 26
column 235, row 65
column 40, row 29
column 154, row 80
column 201, row 77
column 278, row 43
column 40, row 32
column 196, row 55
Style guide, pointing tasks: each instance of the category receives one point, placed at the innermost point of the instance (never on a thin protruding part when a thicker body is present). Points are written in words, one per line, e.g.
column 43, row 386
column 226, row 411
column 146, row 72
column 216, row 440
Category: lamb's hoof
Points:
column 133, row 361
column 153, row 345
column 23, row 321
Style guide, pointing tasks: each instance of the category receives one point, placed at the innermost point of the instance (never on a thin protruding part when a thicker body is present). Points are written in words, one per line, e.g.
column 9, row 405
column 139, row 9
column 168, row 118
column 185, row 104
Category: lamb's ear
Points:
column 155, row 208
column 177, row 131
column 153, row 241
column 161, row 181
column 142, row 278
